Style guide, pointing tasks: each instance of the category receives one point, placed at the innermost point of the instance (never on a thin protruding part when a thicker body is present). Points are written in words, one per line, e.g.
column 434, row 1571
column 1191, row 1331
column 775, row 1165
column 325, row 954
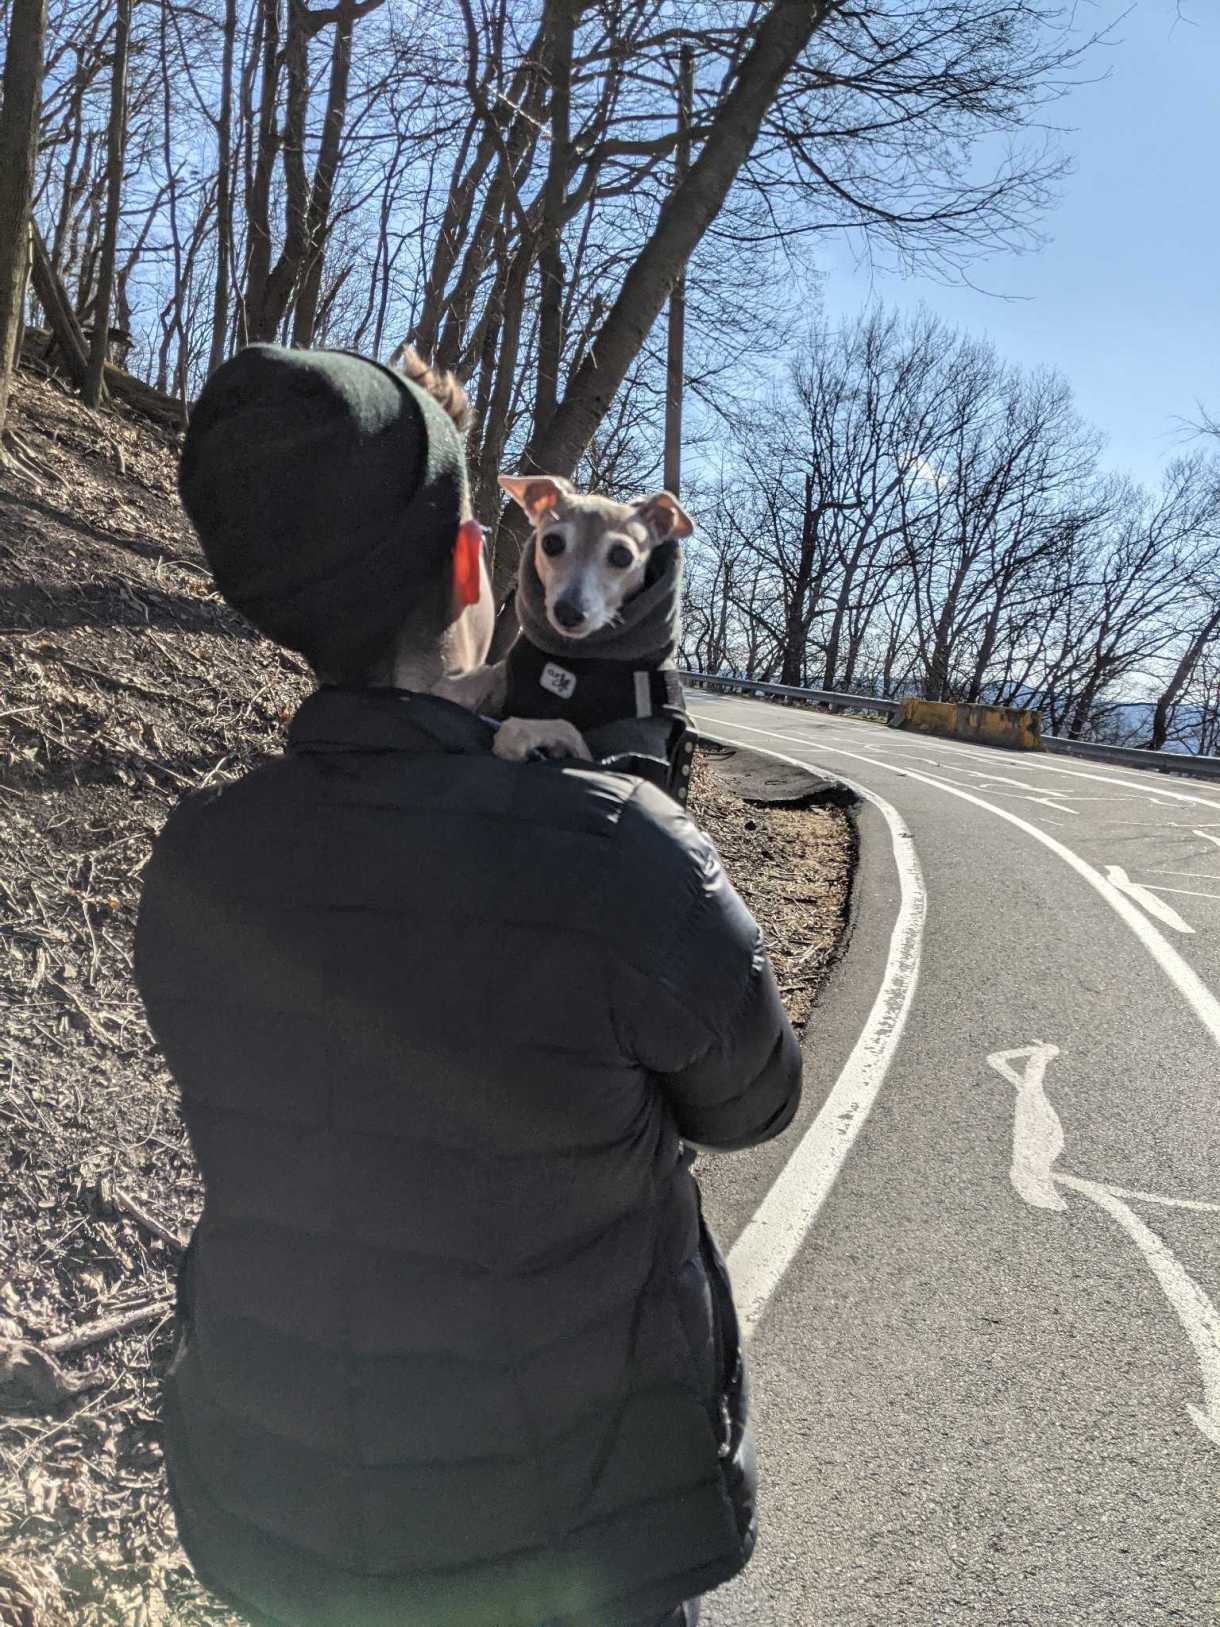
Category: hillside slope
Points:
column 124, row 682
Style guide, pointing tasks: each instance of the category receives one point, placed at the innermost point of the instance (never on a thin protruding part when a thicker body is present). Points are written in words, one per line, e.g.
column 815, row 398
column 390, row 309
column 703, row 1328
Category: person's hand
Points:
column 520, row 738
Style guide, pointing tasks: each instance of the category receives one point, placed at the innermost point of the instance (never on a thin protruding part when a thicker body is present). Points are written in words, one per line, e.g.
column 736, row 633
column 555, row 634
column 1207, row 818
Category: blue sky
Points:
column 1125, row 297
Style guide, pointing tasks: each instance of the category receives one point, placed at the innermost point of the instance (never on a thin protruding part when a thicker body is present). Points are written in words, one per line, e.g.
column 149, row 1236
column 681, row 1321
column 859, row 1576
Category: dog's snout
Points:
column 568, row 613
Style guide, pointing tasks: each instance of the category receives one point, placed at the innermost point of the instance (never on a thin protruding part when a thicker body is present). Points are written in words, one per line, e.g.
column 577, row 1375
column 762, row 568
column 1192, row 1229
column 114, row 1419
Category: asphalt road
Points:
column 986, row 1337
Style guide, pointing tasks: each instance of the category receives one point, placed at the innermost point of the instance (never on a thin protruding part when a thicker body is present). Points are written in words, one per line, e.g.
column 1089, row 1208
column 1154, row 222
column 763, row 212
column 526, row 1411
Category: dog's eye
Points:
column 552, row 543
column 621, row 556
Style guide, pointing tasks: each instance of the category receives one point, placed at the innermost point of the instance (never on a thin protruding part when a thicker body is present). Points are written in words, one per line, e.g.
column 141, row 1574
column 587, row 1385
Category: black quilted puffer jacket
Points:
column 456, row 1349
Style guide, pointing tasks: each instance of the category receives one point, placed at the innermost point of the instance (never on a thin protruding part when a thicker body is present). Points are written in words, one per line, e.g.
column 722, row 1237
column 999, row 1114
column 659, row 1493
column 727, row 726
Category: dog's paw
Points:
column 520, row 738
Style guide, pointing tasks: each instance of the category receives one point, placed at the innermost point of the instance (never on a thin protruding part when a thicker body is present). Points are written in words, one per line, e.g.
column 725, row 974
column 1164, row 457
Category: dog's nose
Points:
column 568, row 613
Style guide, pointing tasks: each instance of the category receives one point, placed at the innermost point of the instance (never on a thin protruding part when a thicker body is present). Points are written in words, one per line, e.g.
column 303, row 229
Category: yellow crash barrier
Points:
column 1011, row 726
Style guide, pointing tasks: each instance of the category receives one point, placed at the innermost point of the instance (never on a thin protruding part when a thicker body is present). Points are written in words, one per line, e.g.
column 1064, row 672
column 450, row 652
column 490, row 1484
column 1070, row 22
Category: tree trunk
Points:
column 258, row 178
column 675, row 349
column 173, row 321
column 455, row 222
column 1078, row 717
column 305, row 316
column 835, row 637
column 70, row 342
column 1181, row 677
column 265, row 317
column 937, row 679
column 449, row 236
column 61, row 319
column 560, row 30
column 842, row 609
column 73, row 174
column 987, row 645
column 18, row 149
column 792, row 669
column 515, row 163
column 458, row 227
column 95, row 385
column 496, row 421
column 224, row 194
column 783, row 34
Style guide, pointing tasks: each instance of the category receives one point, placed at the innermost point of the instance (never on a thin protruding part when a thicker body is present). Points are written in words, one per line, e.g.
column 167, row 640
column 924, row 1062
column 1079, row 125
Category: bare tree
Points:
column 1117, row 617
column 322, row 186
column 912, row 512
column 224, row 194
column 686, row 215
column 116, row 132
column 19, row 117
column 1198, row 610
column 1205, row 634
column 560, row 28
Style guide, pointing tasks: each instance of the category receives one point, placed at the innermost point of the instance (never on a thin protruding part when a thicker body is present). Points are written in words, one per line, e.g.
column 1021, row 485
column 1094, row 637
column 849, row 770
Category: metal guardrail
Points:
column 815, row 697
column 1158, row 762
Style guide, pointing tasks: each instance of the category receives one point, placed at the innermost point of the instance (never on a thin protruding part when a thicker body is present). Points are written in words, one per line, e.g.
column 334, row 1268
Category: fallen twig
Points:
column 95, row 1027
column 124, row 1200
column 93, row 1333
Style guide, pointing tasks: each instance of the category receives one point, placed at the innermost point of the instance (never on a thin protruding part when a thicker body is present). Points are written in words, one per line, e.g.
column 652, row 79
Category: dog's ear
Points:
column 665, row 517
column 535, row 493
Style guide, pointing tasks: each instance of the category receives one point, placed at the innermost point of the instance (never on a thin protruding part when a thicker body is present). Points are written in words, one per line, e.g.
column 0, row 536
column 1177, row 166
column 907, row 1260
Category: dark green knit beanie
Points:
column 327, row 491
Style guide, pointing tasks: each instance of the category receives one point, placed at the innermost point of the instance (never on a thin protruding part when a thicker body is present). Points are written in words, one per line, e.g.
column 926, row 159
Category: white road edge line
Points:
column 770, row 1241
column 1185, row 979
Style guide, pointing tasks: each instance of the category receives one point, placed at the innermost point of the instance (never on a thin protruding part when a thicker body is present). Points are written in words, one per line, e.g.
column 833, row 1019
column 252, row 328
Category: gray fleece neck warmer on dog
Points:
column 644, row 634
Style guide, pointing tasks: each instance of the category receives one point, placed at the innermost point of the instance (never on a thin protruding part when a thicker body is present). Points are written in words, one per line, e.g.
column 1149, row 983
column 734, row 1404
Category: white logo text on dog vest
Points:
column 558, row 680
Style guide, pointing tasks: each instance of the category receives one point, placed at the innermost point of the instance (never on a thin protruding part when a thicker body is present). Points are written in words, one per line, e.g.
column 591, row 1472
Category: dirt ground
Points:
column 793, row 868
column 123, row 682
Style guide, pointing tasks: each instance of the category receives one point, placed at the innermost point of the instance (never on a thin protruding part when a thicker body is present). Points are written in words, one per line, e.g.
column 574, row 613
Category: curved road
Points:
column 982, row 1275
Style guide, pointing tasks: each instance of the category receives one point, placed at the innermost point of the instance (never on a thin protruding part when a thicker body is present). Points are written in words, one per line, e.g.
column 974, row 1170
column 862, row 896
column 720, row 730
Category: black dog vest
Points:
column 633, row 718
column 587, row 691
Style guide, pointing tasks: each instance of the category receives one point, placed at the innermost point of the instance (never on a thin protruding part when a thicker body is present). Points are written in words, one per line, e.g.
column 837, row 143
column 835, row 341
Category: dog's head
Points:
column 591, row 553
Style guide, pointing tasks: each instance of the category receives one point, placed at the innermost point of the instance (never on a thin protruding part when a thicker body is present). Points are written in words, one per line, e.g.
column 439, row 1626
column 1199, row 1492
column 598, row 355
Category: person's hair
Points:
column 444, row 387
column 426, row 618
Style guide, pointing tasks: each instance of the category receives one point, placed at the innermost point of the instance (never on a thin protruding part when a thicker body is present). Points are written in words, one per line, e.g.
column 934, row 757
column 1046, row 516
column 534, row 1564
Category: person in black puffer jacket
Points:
column 455, row 1346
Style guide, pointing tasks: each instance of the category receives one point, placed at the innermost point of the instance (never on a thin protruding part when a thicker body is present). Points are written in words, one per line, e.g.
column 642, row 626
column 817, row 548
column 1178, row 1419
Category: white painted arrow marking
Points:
column 1194, row 1310
column 1200, row 1206
column 1037, row 1141
column 1037, row 1135
column 1118, row 877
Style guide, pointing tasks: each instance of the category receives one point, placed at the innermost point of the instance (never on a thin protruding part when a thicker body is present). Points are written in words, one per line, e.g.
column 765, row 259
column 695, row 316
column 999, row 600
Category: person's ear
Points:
column 535, row 493
column 467, row 558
